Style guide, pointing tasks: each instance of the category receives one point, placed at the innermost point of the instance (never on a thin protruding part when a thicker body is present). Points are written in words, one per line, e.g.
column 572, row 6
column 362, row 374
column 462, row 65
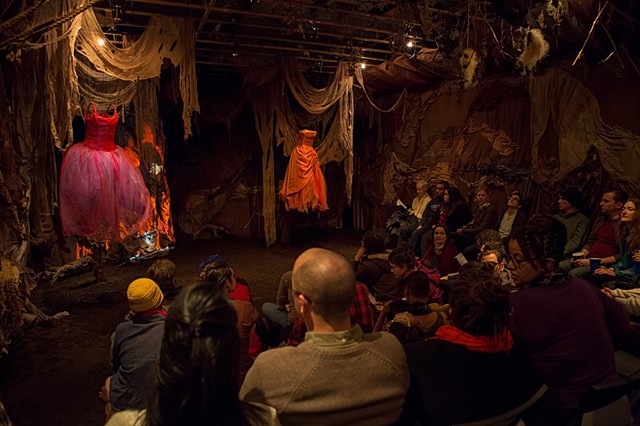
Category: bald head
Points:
column 325, row 278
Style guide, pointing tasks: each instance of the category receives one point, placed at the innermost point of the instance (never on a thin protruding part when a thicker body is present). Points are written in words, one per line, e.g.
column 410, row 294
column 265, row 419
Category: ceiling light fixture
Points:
column 100, row 41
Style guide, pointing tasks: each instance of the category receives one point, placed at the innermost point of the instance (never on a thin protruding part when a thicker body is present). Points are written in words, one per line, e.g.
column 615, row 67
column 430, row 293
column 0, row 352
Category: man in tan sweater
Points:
column 338, row 375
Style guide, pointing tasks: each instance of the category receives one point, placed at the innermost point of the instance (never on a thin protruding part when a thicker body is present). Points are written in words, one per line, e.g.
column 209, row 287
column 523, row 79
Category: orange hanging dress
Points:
column 304, row 188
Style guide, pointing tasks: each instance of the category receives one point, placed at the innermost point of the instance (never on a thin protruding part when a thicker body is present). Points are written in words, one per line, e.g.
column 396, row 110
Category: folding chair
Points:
column 510, row 417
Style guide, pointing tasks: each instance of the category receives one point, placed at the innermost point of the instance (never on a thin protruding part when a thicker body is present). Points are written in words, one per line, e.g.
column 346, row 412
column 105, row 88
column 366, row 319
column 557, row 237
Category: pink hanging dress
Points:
column 102, row 194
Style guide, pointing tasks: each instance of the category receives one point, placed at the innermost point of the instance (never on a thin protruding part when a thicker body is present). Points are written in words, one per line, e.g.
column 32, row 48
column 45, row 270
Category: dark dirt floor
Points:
column 53, row 373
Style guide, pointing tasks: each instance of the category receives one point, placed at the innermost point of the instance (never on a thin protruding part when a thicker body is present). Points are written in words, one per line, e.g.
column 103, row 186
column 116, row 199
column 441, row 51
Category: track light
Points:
column 100, row 41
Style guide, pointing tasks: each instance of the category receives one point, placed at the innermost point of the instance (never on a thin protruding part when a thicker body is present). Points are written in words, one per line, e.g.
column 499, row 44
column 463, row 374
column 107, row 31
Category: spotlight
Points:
column 100, row 41
column 410, row 44
column 363, row 65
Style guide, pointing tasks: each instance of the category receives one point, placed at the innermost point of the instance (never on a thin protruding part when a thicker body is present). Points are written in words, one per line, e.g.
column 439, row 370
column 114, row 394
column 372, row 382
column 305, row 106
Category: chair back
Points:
column 510, row 417
column 607, row 403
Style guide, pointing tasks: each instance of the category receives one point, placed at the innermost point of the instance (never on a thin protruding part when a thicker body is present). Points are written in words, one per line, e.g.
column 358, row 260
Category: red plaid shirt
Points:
column 361, row 313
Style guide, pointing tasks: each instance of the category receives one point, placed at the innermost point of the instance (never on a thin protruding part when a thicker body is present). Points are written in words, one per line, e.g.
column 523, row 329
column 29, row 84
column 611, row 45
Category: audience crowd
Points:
column 470, row 315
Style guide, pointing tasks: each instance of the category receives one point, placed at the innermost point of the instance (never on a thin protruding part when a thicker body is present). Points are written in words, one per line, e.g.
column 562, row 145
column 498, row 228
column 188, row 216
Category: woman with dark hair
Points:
column 457, row 212
column 402, row 263
column 566, row 325
column 470, row 370
column 196, row 381
column 220, row 274
column 371, row 264
column 628, row 235
column 441, row 253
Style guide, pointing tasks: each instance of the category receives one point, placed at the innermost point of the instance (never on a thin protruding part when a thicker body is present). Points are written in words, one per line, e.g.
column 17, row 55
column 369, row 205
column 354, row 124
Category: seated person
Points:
column 577, row 224
column 441, row 254
column 602, row 242
column 411, row 218
column 413, row 319
column 492, row 259
column 514, row 219
column 135, row 349
column 402, row 263
column 221, row 275
column 163, row 273
column 622, row 272
column 280, row 312
column 279, row 317
column 484, row 239
column 470, row 370
column 456, row 210
column 371, row 264
column 360, row 313
column 455, row 213
column 338, row 375
column 565, row 325
column 430, row 218
column 485, row 217
column 195, row 382
column 630, row 299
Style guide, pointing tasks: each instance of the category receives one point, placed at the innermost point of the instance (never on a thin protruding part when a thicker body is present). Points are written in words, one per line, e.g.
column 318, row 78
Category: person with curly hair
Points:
column 470, row 370
column 565, row 324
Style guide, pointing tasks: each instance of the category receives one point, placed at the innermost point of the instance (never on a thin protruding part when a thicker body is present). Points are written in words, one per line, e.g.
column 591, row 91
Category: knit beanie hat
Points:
column 211, row 259
column 574, row 197
column 143, row 295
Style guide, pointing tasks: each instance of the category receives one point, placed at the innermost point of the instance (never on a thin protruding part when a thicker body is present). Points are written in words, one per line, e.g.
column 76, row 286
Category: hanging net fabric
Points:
column 102, row 194
column 304, row 188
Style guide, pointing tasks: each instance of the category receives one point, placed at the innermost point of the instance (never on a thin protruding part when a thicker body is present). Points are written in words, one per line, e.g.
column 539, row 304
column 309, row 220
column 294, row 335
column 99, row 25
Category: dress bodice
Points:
column 306, row 137
column 100, row 129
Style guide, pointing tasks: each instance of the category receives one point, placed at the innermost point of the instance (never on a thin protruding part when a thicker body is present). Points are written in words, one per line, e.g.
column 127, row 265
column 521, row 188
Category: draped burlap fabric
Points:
column 561, row 100
column 304, row 188
column 329, row 110
column 164, row 37
column 79, row 67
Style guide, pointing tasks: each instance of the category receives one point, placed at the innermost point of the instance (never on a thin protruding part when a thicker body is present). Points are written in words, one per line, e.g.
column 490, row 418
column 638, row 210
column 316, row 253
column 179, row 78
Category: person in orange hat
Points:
column 136, row 346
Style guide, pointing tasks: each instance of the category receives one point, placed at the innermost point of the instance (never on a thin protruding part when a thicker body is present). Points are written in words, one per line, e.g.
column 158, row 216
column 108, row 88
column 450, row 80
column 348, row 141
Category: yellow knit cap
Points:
column 144, row 294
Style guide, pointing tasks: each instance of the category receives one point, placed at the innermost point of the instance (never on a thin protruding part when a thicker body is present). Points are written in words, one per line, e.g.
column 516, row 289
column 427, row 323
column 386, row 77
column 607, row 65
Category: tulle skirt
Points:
column 102, row 194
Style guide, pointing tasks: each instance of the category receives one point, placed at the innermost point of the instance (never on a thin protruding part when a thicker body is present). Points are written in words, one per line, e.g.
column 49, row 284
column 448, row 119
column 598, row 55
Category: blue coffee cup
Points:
column 636, row 268
column 594, row 263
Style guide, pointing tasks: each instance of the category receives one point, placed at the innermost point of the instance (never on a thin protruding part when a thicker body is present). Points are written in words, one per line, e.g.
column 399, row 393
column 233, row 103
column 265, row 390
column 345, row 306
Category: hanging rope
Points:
column 360, row 80
column 21, row 38
column 21, row 16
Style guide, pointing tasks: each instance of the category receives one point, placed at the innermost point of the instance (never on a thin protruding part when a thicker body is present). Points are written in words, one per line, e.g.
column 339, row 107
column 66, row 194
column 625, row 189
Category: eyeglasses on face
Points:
column 517, row 261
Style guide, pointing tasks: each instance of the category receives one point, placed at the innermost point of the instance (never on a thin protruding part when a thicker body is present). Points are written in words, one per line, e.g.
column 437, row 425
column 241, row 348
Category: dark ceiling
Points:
column 236, row 34
column 233, row 35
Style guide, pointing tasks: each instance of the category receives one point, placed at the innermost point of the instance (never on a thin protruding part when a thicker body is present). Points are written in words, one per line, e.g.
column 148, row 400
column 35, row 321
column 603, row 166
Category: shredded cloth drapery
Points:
column 164, row 37
column 304, row 188
column 102, row 194
column 330, row 110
